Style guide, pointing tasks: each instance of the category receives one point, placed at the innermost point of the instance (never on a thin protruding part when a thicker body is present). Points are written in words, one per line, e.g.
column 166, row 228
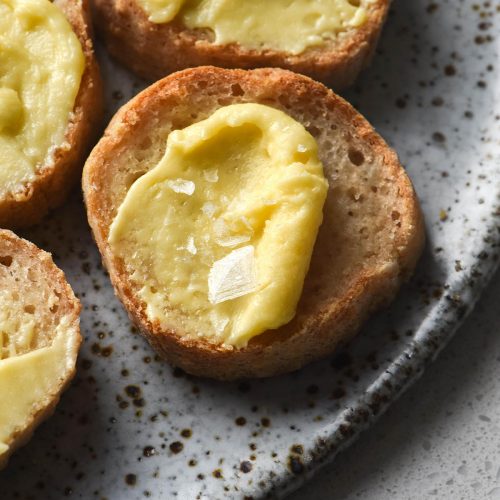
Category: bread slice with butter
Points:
column 39, row 339
column 369, row 242
column 43, row 145
column 329, row 41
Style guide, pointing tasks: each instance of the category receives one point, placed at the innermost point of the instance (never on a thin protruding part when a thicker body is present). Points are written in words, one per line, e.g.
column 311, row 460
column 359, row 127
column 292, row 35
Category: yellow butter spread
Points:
column 30, row 379
column 286, row 25
column 41, row 65
column 221, row 231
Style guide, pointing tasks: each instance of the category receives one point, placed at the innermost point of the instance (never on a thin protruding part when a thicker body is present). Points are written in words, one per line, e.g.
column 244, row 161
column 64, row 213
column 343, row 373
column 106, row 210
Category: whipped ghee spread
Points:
column 286, row 25
column 41, row 65
column 27, row 377
column 220, row 233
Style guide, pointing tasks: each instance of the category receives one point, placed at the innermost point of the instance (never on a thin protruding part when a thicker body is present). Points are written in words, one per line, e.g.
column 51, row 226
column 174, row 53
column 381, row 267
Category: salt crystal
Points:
column 209, row 209
column 232, row 241
column 191, row 247
column 211, row 175
column 301, row 148
column 220, row 228
column 246, row 223
column 232, row 276
column 223, row 236
column 181, row 186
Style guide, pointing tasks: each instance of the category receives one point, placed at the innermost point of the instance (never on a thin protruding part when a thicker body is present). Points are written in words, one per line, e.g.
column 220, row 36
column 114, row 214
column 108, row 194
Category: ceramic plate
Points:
column 133, row 427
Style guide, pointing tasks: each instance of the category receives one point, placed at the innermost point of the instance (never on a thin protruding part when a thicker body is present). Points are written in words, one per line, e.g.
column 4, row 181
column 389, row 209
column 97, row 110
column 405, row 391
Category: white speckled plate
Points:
column 132, row 427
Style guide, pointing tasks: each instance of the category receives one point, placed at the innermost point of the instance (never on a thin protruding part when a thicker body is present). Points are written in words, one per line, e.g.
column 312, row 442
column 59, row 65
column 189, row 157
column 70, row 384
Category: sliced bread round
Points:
column 372, row 232
column 153, row 50
column 53, row 182
column 37, row 308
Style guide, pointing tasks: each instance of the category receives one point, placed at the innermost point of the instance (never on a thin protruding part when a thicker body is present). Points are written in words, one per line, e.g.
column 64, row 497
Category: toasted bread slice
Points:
column 36, row 305
column 372, row 232
column 153, row 50
column 54, row 182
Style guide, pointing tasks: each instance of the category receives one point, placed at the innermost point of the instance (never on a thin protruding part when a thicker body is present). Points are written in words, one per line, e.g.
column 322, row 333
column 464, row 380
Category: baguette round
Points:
column 153, row 50
column 370, row 240
column 38, row 286
column 53, row 182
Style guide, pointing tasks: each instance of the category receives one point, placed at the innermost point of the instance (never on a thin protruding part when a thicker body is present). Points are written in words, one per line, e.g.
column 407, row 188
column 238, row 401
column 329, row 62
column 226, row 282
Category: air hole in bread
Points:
column 5, row 260
column 54, row 308
column 30, row 309
column 374, row 189
column 354, row 3
column 284, row 101
column 146, row 143
column 236, row 89
column 356, row 157
column 395, row 215
column 202, row 84
column 132, row 177
column 313, row 130
column 5, row 341
column 328, row 145
column 364, row 232
column 152, row 289
column 141, row 155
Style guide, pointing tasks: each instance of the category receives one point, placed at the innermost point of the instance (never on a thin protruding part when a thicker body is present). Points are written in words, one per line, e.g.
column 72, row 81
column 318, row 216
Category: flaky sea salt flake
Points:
column 232, row 241
column 211, row 175
column 181, row 186
column 223, row 236
column 232, row 276
column 209, row 209
column 220, row 228
column 191, row 247
column 246, row 223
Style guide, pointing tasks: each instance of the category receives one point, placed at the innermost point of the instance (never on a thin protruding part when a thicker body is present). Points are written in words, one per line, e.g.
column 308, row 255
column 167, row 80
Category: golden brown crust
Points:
column 53, row 184
column 153, row 50
column 45, row 273
column 349, row 277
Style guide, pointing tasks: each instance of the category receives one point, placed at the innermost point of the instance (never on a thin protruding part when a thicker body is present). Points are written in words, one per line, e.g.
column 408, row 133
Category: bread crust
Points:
column 153, row 50
column 325, row 317
column 53, row 183
column 69, row 305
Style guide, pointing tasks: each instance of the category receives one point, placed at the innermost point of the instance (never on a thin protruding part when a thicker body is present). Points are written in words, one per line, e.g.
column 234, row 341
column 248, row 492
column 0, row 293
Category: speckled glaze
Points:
column 132, row 427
